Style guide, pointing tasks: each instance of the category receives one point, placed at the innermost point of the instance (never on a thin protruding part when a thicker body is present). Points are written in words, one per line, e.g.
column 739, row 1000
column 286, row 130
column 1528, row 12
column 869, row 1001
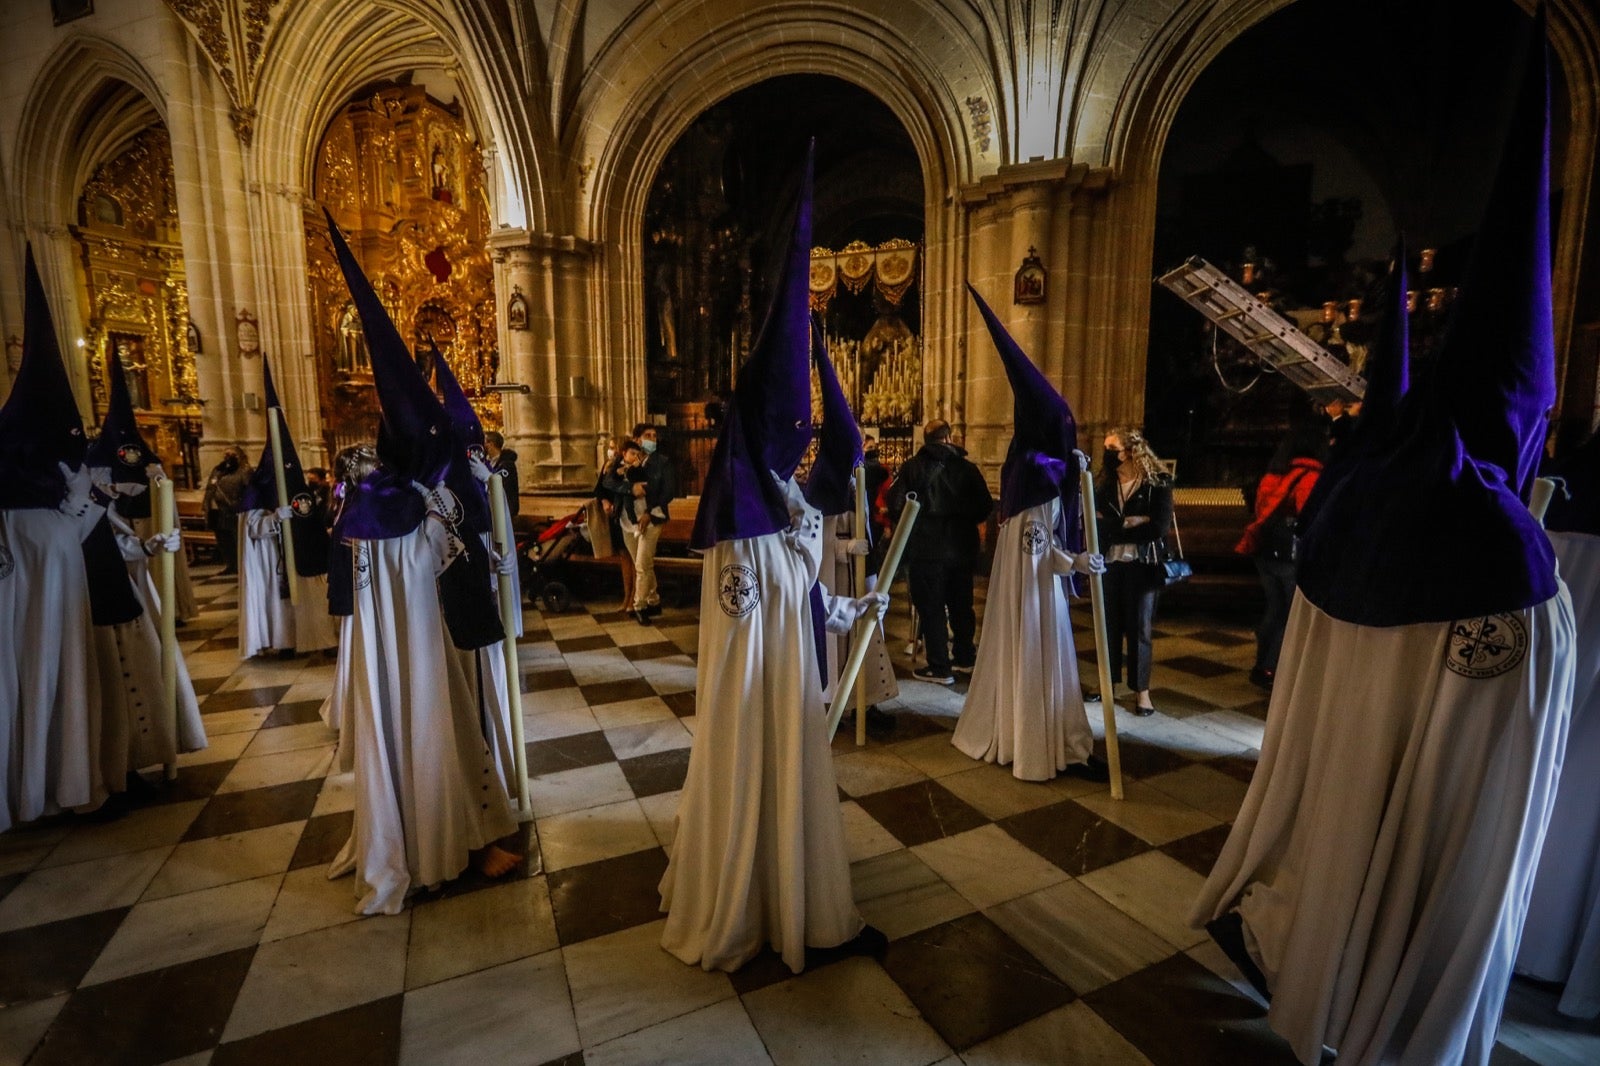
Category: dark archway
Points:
column 715, row 212
column 1304, row 150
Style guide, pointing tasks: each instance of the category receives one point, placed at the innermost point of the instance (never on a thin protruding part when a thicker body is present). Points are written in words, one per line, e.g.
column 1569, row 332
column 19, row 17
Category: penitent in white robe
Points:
column 1561, row 941
column 267, row 622
column 760, row 853
column 1383, row 857
column 839, row 574
column 49, row 682
column 188, row 606
column 1025, row 706
column 136, row 729
column 426, row 788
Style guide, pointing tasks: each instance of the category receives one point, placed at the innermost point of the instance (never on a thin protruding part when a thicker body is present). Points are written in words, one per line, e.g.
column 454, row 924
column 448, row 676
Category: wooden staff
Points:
column 1097, row 597
column 858, row 653
column 500, row 511
column 285, row 536
column 166, row 522
column 863, row 627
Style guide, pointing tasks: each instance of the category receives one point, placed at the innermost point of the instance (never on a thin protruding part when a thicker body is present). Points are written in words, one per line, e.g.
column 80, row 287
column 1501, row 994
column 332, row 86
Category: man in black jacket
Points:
column 503, row 461
column 655, row 485
column 943, row 550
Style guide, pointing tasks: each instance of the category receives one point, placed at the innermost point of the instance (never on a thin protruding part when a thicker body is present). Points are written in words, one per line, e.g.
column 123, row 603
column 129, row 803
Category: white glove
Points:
column 76, row 501
column 422, row 490
column 163, row 542
column 100, row 481
column 284, row 513
column 872, row 606
column 480, row 469
column 1089, row 563
column 504, row 565
column 857, row 546
column 129, row 488
column 154, row 471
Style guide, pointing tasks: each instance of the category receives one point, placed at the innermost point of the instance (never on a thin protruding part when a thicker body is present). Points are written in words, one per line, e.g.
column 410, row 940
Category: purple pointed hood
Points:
column 261, row 491
column 1039, row 464
column 1434, row 527
column 39, row 424
column 467, row 431
column 414, row 440
column 839, row 443
column 768, row 424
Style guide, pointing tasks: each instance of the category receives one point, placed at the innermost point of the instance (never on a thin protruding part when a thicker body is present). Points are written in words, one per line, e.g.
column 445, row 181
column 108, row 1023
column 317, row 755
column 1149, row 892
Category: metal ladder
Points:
column 1268, row 336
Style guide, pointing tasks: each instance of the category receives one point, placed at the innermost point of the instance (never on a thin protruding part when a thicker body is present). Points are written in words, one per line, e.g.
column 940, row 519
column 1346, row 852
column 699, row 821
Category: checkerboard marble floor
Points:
column 1027, row 922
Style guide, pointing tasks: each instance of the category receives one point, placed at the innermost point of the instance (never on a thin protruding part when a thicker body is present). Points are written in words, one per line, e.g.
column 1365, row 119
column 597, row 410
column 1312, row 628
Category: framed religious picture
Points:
column 247, row 334
column 517, row 310
column 1029, row 288
column 194, row 339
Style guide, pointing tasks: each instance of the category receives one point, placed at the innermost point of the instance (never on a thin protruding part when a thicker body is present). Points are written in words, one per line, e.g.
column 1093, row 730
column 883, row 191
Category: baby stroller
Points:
column 538, row 552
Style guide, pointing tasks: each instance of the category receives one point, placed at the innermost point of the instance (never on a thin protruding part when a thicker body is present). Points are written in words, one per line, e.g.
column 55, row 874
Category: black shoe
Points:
column 962, row 668
column 935, row 677
column 641, row 617
column 1228, row 932
column 1091, row 697
column 652, row 611
column 1092, row 769
column 1142, row 712
column 879, row 723
column 1261, row 678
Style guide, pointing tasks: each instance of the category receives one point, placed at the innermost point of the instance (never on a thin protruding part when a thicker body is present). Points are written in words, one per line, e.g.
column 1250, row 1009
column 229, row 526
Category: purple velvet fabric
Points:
column 468, row 432
column 1039, row 464
column 414, row 438
column 768, row 425
column 39, row 424
column 1433, row 527
column 1578, row 511
column 261, row 491
column 838, row 445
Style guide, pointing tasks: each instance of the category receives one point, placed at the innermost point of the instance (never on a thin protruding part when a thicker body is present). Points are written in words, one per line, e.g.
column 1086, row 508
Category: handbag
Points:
column 1176, row 569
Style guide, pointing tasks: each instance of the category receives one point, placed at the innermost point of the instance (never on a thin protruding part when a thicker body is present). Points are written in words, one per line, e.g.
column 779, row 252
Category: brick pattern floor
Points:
column 1027, row 922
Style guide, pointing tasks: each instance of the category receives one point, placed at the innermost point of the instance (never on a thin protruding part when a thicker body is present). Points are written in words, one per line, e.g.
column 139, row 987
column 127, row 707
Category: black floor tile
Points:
column 918, row 813
column 205, row 686
column 368, row 1035
column 1242, row 766
column 658, row 772
column 568, row 753
column 546, row 680
column 971, row 981
column 133, row 1021
column 9, row 882
column 682, row 703
column 1199, row 851
column 1198, row 666
column 1177, row 1011
column 574, row 1059
column 256, row 808
column 301, row 712
column 593, row 642
column 1221, row 638
column 603, row 897
column 43, row 960
column 243, row 698
column 657, row 650
column 1073, row 837
column 1140, row 758
column 1170, row 701
column 322, row 838
column 193, row 782
column 632, row 688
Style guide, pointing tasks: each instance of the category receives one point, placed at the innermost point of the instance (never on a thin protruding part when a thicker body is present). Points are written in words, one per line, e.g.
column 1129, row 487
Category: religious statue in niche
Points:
column 1029, row 287
column 517, row 310
column 441, row 175
column 247, row 334
column 666, row 320
column 194, row 339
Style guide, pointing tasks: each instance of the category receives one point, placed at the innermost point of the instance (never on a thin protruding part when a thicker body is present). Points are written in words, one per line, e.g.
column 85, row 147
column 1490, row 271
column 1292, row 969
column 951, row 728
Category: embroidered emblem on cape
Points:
column 7, row 563
column 738, row 593
column 1487, row 647
column 130, row 455
column 362, row 557
column 302, row 504
column 1035, row 537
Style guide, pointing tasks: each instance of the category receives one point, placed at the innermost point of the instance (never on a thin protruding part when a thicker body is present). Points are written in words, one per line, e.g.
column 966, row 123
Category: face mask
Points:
column 1109, row 459
column 648, row 445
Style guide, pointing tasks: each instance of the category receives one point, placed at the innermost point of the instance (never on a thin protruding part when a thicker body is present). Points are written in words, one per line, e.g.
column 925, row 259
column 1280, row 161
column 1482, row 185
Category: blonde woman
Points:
column 1134, row 505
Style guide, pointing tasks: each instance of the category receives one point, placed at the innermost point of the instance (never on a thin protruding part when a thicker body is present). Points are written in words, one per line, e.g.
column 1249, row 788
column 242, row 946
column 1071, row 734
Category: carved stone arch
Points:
column 320, row 59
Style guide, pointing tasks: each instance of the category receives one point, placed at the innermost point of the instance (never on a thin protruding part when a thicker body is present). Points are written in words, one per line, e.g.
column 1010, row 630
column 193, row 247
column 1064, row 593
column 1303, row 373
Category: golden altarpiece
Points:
column 403, row 178
column 131, row 278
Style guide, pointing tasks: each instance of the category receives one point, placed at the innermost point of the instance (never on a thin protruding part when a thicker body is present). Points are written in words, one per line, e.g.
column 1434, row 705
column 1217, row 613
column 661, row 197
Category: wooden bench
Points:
column 677, row 568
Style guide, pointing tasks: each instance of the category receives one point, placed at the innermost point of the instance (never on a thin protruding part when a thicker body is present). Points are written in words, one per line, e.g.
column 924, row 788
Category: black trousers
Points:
column 1131, row 592
column 1277, row 581
column 942, row 590
column 226, row 526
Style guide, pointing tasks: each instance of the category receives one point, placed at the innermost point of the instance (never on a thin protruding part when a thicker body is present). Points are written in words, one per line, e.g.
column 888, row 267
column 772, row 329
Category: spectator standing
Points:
column 503, row 461
column 877, row 477
column 224, row 490
column 1134, row 498
column 943, row 549
column 656, row 485
column 1273, row 537
column 609, row 490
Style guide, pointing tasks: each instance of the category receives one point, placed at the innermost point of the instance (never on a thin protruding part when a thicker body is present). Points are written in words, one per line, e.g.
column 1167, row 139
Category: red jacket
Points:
column 1300, row 479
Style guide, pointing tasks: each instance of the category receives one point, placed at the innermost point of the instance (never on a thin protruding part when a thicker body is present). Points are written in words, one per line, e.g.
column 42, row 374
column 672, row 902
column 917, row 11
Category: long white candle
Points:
column 500, row 511
column 858, row 654
column 166, row 521
column 1097, row 597
column 285, row 535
